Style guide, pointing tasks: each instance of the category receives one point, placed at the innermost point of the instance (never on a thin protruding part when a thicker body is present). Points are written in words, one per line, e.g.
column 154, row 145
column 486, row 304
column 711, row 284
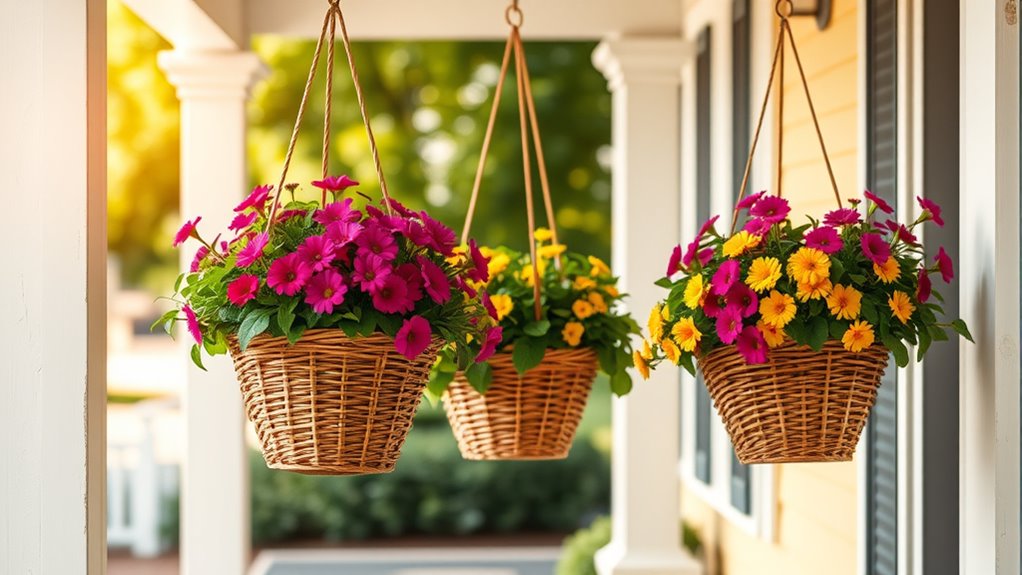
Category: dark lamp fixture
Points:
column 818, row 8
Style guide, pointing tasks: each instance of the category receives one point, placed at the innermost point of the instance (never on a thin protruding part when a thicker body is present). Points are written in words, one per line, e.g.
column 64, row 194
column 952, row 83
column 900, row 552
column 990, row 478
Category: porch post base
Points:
column 616, row 560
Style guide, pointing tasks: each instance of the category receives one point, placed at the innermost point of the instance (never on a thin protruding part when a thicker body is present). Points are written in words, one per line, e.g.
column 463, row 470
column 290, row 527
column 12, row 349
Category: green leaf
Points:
column 621, row 383
column 685, row 360
column 858, row 278
column 295, row 333
column 254, row 324
column 480, row 375
column 819, row 330
column 838, row 329
column 166, row 320
column 924, row 344
column 837, row 270
column 608, row 359
column 664, row 283
column 367, row 324
column 937, row 333
column 898, row 349
column 528, row 353
column 962, row 329
column 437, row 385
column 537, row 328
column 177, row 283
column 869, row 311
column 797, row 331
column 197, row 357
column 286, row 316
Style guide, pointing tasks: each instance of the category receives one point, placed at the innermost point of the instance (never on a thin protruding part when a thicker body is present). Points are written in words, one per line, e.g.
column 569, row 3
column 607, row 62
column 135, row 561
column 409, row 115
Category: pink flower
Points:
column 772, row 209
column 480, row 263
column 370, row 272
column 378, row 241
column 842, row 217
column 337, row 212
column 417, row 234
column 462, row 285
column 825, row 239
column 674, row 262
column 414, row 337
column 193, row 324
column 444, row 239
column 287, row 275
column 325, row 290
column 253, row 250
column 335, row 183
column 757, row 227
column 200, row 255
column 905, row 235
column 713, row 305
column 725, row 277
column 752, row 346
column 413, row 280
column 707, row 225
column 749, row 201
column 925, row 286
column 343, row 233
column 693, row 252
column 401, row 209
column 317, row 251
column 392, row 297
column 944, row 264
column 875, row 248
column 742, row 299
column 434, row 280
column 934, row 210
column 494, row 335
column 288, row 214
column 729, row 325
column 880, row 203
column 256, row 199
column 488, row 304
column 186, row 231
column 243, row 290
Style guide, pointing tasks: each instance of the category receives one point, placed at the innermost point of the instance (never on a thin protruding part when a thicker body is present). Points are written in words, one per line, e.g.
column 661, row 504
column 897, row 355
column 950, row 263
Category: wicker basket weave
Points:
column 329, row 404
column 523, row 417
column 800, row 406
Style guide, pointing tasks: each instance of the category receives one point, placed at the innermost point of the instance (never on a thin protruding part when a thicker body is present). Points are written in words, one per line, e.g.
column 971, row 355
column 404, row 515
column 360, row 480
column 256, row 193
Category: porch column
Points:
column 644, row 75
column 215, row 529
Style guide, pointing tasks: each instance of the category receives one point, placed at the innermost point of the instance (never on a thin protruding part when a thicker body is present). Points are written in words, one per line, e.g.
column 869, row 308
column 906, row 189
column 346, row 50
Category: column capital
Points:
column 211, row 75
column 642, row 60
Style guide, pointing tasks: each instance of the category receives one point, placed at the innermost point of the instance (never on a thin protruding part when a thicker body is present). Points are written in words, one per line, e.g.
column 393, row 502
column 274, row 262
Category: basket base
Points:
column 796, row 459
column 514, row 457
column 331, row 469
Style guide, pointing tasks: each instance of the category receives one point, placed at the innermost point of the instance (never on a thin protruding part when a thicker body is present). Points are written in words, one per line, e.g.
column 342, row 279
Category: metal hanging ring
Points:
column 784, row 9
column 514, row 16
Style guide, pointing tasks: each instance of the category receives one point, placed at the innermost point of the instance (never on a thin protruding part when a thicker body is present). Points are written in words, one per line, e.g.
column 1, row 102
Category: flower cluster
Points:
column 367, row 270
column 578, row 309
column 851, row 278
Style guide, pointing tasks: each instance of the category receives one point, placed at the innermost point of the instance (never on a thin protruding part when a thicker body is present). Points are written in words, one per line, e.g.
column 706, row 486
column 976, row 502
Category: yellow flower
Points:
column 671, row 351
column 503, row 304
column 583, row 283
column 498, row 263
column 600, row 268
column 598, row 304
column 457, row 255
column 686, row 334
column 656, row 324
column 889, row 271
column 640, row 364
column 612, row 291
column 542, row 235
column 808, row 265
column 901, row 306
column 582, row 309
column 647, row 350
column 694, row 292
column 773, row 335
column 763, row 274
column 739, row 243
column 572, row 333
column 552, row 251
column 858, row 337
column 526, row 273
column 777, row 309
column 808, row 291
column 845, row 302
column 666, row 313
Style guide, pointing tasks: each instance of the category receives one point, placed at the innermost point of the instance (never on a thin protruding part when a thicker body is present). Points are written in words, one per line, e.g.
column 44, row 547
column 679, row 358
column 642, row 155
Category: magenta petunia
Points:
column 905, row 235
column 944, row 264
column 317, row 251
column 256, row 199
column 286, row 215
column 444, row 239
column 726, row 275
column 325, row 290
column 875, row 248
column 742, row 299
column 772, row 209
column 693, row 253
column 757, row 227
column 193, row 324
column 200, row 255
column 335, row 183
column 434, row 280
column 400, row 208
column 488, row 304
column 706, row 227
column 370, row 271
column 749, row 201
column 880, row 203
column 187, row 231
column 752, row 346
column 480, row 271
column 674, row 262
column 414, row 337
column 463, row 286
column 934, row 209
column 826, row 239
column 343, row 233
column 242, row 221
column 392, row 296
column 243, row 290
column 842, row 217
column 925, row 286
column 729, row 325
column 377, row 240
column 287, row 275
column 413, row 280
column 713, row 305
column 253, row 250
column 337, row 212
column 417, row 234
column 494, row 335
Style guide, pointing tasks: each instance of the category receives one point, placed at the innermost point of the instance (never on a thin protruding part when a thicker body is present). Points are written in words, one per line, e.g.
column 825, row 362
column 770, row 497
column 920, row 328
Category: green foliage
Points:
column 578, row 555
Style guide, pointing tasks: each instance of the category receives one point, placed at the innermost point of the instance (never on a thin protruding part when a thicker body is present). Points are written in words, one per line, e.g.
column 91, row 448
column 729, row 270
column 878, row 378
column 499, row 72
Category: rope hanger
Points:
column 784, row 10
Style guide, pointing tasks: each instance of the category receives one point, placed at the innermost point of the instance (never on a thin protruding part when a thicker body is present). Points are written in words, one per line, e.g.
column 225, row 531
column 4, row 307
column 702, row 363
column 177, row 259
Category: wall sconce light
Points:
column 818, row 8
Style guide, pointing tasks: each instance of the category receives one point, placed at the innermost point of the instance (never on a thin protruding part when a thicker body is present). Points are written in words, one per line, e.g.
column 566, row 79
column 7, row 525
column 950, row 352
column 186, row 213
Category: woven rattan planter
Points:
column 329, row 404
column 801, row 406
column 523, row 417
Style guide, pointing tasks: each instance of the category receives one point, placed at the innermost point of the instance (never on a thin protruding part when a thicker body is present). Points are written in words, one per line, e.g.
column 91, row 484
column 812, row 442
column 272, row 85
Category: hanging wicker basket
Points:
column 800, row 406
column 531, row 416
column 329, row 404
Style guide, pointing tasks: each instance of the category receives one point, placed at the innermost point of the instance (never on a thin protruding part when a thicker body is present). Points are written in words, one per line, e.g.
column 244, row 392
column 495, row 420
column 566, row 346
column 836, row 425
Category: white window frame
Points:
column 717, row 14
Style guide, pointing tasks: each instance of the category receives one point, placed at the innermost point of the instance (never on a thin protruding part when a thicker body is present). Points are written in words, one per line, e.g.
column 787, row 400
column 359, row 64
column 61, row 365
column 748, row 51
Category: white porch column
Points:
column 645, row 75
column 215, row 529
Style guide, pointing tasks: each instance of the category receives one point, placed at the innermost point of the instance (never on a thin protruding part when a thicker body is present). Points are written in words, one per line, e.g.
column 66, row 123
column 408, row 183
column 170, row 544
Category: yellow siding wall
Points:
column 817, row 519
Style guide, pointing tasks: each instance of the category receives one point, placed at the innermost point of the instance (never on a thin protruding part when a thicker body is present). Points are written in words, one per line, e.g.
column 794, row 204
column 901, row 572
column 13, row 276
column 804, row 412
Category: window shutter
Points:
column 704, row 408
